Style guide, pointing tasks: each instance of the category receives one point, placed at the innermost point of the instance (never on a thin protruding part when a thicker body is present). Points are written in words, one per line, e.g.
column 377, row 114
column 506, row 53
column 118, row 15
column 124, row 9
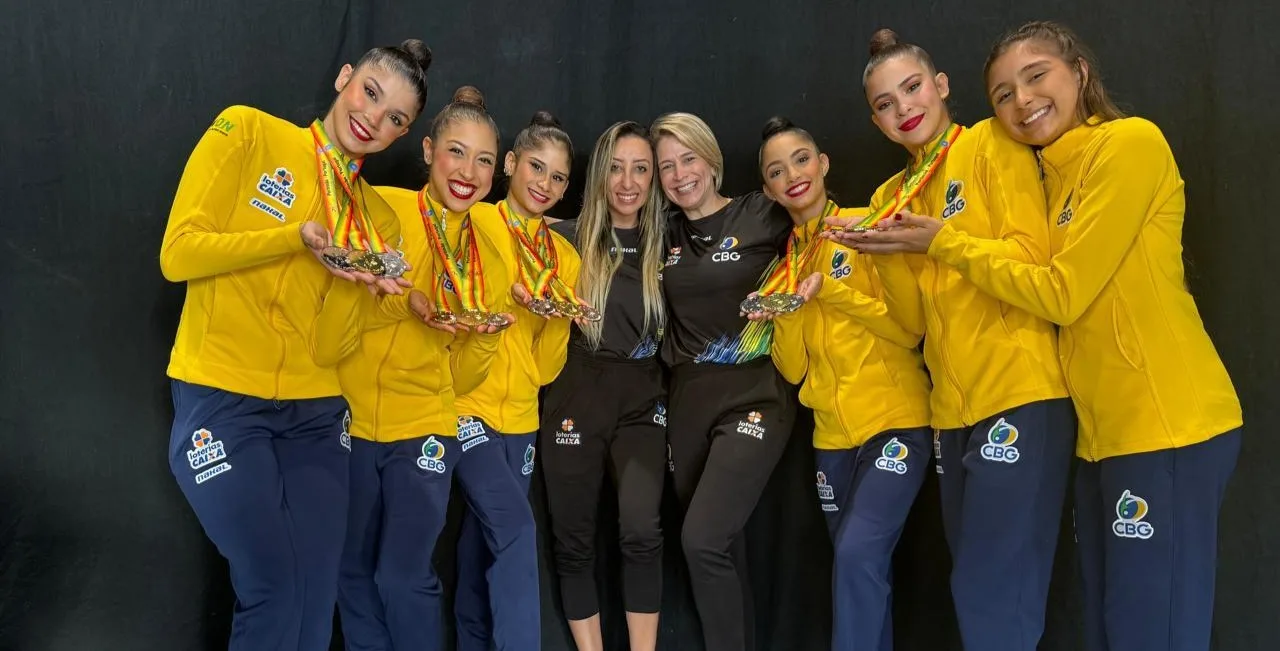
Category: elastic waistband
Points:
column 591, row 359
column 691, row 369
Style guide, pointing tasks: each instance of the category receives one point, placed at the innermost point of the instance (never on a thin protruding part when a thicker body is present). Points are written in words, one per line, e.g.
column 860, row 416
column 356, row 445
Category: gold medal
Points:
column 367, row 262
column 472, row 318
column 781, row 303
column 569, row 309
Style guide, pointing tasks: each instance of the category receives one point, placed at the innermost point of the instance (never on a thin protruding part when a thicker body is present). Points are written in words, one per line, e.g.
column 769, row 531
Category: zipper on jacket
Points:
column 271, row 314
column 835, row 379
column 942, row 346
column 377, row 383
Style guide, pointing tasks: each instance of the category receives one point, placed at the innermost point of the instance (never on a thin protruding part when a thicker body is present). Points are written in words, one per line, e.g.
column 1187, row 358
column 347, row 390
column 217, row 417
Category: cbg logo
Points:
column 726, row 252
column 891, row 457
column 838, row 267
column 1130, row 511
column 432, row 453
column 955, row 202
column 1000, row 440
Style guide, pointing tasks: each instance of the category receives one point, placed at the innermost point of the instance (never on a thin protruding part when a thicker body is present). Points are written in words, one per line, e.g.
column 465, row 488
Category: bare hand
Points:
column 317, row 239
column 524, row 298
column 906, row 232
column 809, row 287
column 421, row 306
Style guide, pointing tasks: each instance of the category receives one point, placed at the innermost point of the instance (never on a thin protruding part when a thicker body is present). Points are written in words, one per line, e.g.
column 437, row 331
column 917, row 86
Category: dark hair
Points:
column 467, row 105
column 1068, row 47
column 778, row 125
column 886, row 45
column 632, row 128
column 543, row 128
column 411, row 60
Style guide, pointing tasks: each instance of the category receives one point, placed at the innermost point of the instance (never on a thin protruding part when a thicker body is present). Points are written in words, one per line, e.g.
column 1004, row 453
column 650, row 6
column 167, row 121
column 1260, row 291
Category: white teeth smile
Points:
column 361, row 132
column 1035, row 116
column 461, row 190
column 798, row 190
column 686, row 187
column 628, row 198
column 538, row 195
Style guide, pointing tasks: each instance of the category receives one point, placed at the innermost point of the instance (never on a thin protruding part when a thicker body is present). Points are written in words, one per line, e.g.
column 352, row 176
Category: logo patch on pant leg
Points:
column 751, row 426
column 826, row 493
column 893, row 457
column 1000, row 440
column 204, row 449
column 1130, row 512
column 566, row 435
column 527, row 468
column 432, row 458
column 471, row 432
column 344, row 439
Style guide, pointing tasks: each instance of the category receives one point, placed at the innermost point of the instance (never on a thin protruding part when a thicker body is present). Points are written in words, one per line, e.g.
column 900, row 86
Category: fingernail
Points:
column 897, row 218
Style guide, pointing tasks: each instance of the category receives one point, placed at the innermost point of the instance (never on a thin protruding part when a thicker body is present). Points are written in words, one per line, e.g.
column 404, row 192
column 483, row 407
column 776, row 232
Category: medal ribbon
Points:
column 913, row 180
column 461, row 268
column 784, row 277
column 537, row 257
column 351, row 228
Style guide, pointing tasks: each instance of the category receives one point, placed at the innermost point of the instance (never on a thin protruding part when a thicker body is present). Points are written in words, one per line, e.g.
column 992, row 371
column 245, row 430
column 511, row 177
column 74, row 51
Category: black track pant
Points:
column 601, row 417
column 728, row 427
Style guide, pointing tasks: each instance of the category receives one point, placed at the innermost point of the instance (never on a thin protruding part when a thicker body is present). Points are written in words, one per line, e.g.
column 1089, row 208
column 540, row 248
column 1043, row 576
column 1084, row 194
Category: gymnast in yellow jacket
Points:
column 861, row 373
column 1159, row 417
column 1006, row 424
column 417, row 352
column 259, row 444
column 498, row 595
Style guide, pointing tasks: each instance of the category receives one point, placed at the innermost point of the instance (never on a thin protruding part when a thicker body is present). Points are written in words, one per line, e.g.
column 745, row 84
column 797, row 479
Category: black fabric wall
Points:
column 104, row 101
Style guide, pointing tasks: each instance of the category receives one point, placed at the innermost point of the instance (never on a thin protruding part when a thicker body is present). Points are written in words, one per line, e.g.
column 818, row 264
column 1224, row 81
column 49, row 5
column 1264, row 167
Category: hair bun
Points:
column 883, row 38
column 469, row 95
column 776, row 124
column 418, row 51
column 544, row 118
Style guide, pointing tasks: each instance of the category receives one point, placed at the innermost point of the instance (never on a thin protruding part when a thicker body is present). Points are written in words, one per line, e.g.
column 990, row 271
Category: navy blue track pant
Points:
column 268, row 481
column 498, row 592
column 1147, row 526
column 389, row 594
column 1003, row 482
column 866, row 493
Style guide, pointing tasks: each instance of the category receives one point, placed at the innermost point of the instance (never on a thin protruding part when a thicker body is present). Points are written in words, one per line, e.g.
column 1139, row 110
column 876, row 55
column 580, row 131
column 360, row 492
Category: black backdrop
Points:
column 104, row 101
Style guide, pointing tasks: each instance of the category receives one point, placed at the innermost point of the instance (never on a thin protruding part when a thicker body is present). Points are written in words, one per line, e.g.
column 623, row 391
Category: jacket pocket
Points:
column 1127, row 342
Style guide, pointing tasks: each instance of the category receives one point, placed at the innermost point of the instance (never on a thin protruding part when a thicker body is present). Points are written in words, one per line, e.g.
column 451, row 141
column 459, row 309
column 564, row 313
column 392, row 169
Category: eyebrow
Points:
column 1003, row 84
column 902, row 83
column 378, row 87
column 544, row 164
column 464, row 147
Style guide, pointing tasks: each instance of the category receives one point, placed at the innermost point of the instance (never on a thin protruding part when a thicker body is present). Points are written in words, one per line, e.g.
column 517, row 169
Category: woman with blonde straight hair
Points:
column 604, row 414
column 731, row 411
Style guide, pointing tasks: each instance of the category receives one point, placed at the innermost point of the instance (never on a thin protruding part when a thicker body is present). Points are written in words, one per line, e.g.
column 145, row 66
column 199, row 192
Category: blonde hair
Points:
column 690, row 131
column 596, row 238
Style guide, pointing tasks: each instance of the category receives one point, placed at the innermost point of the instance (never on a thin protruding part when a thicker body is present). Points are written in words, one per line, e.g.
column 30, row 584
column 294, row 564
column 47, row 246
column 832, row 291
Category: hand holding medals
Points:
column 462, row 272
column 906, row 232
column 805, row 291
column 541, row 290
column 891, row 228
column 781, row 293
column 354, row 250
